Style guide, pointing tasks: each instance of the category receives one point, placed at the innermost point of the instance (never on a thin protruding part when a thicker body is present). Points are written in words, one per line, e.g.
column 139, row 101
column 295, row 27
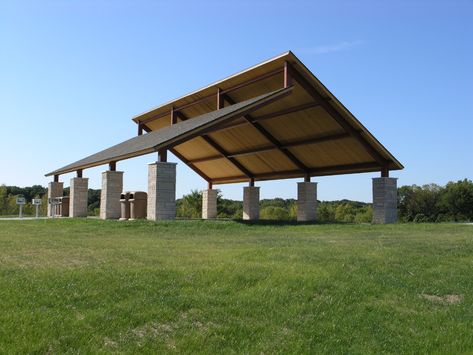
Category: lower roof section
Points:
column 172, row 135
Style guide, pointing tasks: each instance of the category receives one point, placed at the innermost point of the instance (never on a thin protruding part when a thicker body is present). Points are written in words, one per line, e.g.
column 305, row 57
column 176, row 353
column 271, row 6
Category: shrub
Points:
column 274, row 213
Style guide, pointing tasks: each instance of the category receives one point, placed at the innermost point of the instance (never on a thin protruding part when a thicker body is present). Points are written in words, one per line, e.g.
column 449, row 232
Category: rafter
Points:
column 190, row 164
column 220, row 150
column 271, row 115
column 310, row 140
column 270, row 137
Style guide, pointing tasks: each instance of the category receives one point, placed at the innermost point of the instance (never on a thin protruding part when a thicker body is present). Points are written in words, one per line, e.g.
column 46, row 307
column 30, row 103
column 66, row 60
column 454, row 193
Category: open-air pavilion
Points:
column 275, row 120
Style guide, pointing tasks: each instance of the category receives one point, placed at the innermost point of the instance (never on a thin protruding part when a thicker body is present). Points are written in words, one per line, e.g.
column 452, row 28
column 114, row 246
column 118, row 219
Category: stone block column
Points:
column 209, row 204
column 112, row 187
column 384, row 200
column 251, row 203
column 78, row 197
column 161, row 191
column 306, row 201
column 55, row 189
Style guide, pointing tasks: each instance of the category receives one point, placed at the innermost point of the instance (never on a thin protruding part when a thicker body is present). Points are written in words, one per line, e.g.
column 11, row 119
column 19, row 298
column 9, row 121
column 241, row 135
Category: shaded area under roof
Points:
column 171, row 135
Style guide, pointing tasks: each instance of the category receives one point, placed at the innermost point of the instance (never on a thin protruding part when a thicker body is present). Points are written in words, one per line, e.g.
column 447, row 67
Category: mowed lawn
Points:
column 88, row 286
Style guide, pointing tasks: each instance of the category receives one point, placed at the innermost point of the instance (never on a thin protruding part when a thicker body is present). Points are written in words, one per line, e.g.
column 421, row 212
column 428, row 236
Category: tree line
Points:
column 427, row 203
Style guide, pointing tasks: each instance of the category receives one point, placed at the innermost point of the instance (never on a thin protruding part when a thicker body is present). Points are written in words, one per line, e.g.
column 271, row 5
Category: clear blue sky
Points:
column 73, row 73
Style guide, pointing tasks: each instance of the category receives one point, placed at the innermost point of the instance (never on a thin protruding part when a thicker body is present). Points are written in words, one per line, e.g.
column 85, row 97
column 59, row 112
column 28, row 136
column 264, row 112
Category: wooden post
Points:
column 287, row 75
column 162, row 155
column 173, row 116
column 385, row 171
column 220, row 101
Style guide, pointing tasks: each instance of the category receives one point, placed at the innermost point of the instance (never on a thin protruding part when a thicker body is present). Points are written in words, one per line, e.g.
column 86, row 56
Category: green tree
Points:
column 229, row 208
column 325, row 212
column 190, row 206
column 418, row 203
column 274, row 213
column 345, row 213
column 93, row 202
column 3, row 200
column 457, row 200
column 364, row 214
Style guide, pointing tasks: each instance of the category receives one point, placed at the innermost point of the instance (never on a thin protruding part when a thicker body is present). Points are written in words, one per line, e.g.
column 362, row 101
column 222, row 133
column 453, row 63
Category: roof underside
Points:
column 302, row 131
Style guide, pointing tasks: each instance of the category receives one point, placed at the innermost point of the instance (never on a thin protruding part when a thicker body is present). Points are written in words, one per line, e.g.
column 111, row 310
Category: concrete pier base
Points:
column 384, row 200
column 78, row 197
column 112, row 187
column 209, row 204
column 161, row 191
column 251, row 203
column 306, row 201
column 55, row 189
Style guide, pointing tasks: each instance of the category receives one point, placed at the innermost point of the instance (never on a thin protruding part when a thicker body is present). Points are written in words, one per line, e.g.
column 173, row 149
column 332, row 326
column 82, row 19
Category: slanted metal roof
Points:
column 171, row 135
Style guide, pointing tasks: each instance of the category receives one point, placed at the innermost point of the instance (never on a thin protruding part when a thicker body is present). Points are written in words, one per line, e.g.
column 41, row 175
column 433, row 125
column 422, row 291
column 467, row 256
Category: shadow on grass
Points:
column 270, row 222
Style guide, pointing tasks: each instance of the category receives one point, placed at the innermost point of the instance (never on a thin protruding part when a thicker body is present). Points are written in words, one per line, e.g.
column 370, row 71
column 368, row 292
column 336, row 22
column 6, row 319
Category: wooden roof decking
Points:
column 275, row 120
column 306, row 133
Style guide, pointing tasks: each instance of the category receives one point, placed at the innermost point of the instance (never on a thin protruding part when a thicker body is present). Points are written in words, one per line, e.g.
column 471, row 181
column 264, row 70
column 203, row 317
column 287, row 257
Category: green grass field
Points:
column 88, row 286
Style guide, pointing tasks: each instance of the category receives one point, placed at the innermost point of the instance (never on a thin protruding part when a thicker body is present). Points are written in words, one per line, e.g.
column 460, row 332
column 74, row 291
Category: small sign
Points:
column 20, row 201
column 54, row 201
column 37, row 201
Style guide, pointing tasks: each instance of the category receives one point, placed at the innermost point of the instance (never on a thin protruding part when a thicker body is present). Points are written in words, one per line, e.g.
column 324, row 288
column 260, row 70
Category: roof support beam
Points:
column 329, row 170
column 190, row 164
column 162, row 155
column 335, row 115
column 311, row 140
column 287, row 75
column 279, row 113
column 271, row 138
column 287, row 111
column 221, row 150
column 220, row 102
column 385, row 171
column 173, row 116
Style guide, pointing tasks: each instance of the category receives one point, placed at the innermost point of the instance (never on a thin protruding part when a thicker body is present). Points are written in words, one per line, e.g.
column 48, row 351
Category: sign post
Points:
column 20, row 201
column 37, row 202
